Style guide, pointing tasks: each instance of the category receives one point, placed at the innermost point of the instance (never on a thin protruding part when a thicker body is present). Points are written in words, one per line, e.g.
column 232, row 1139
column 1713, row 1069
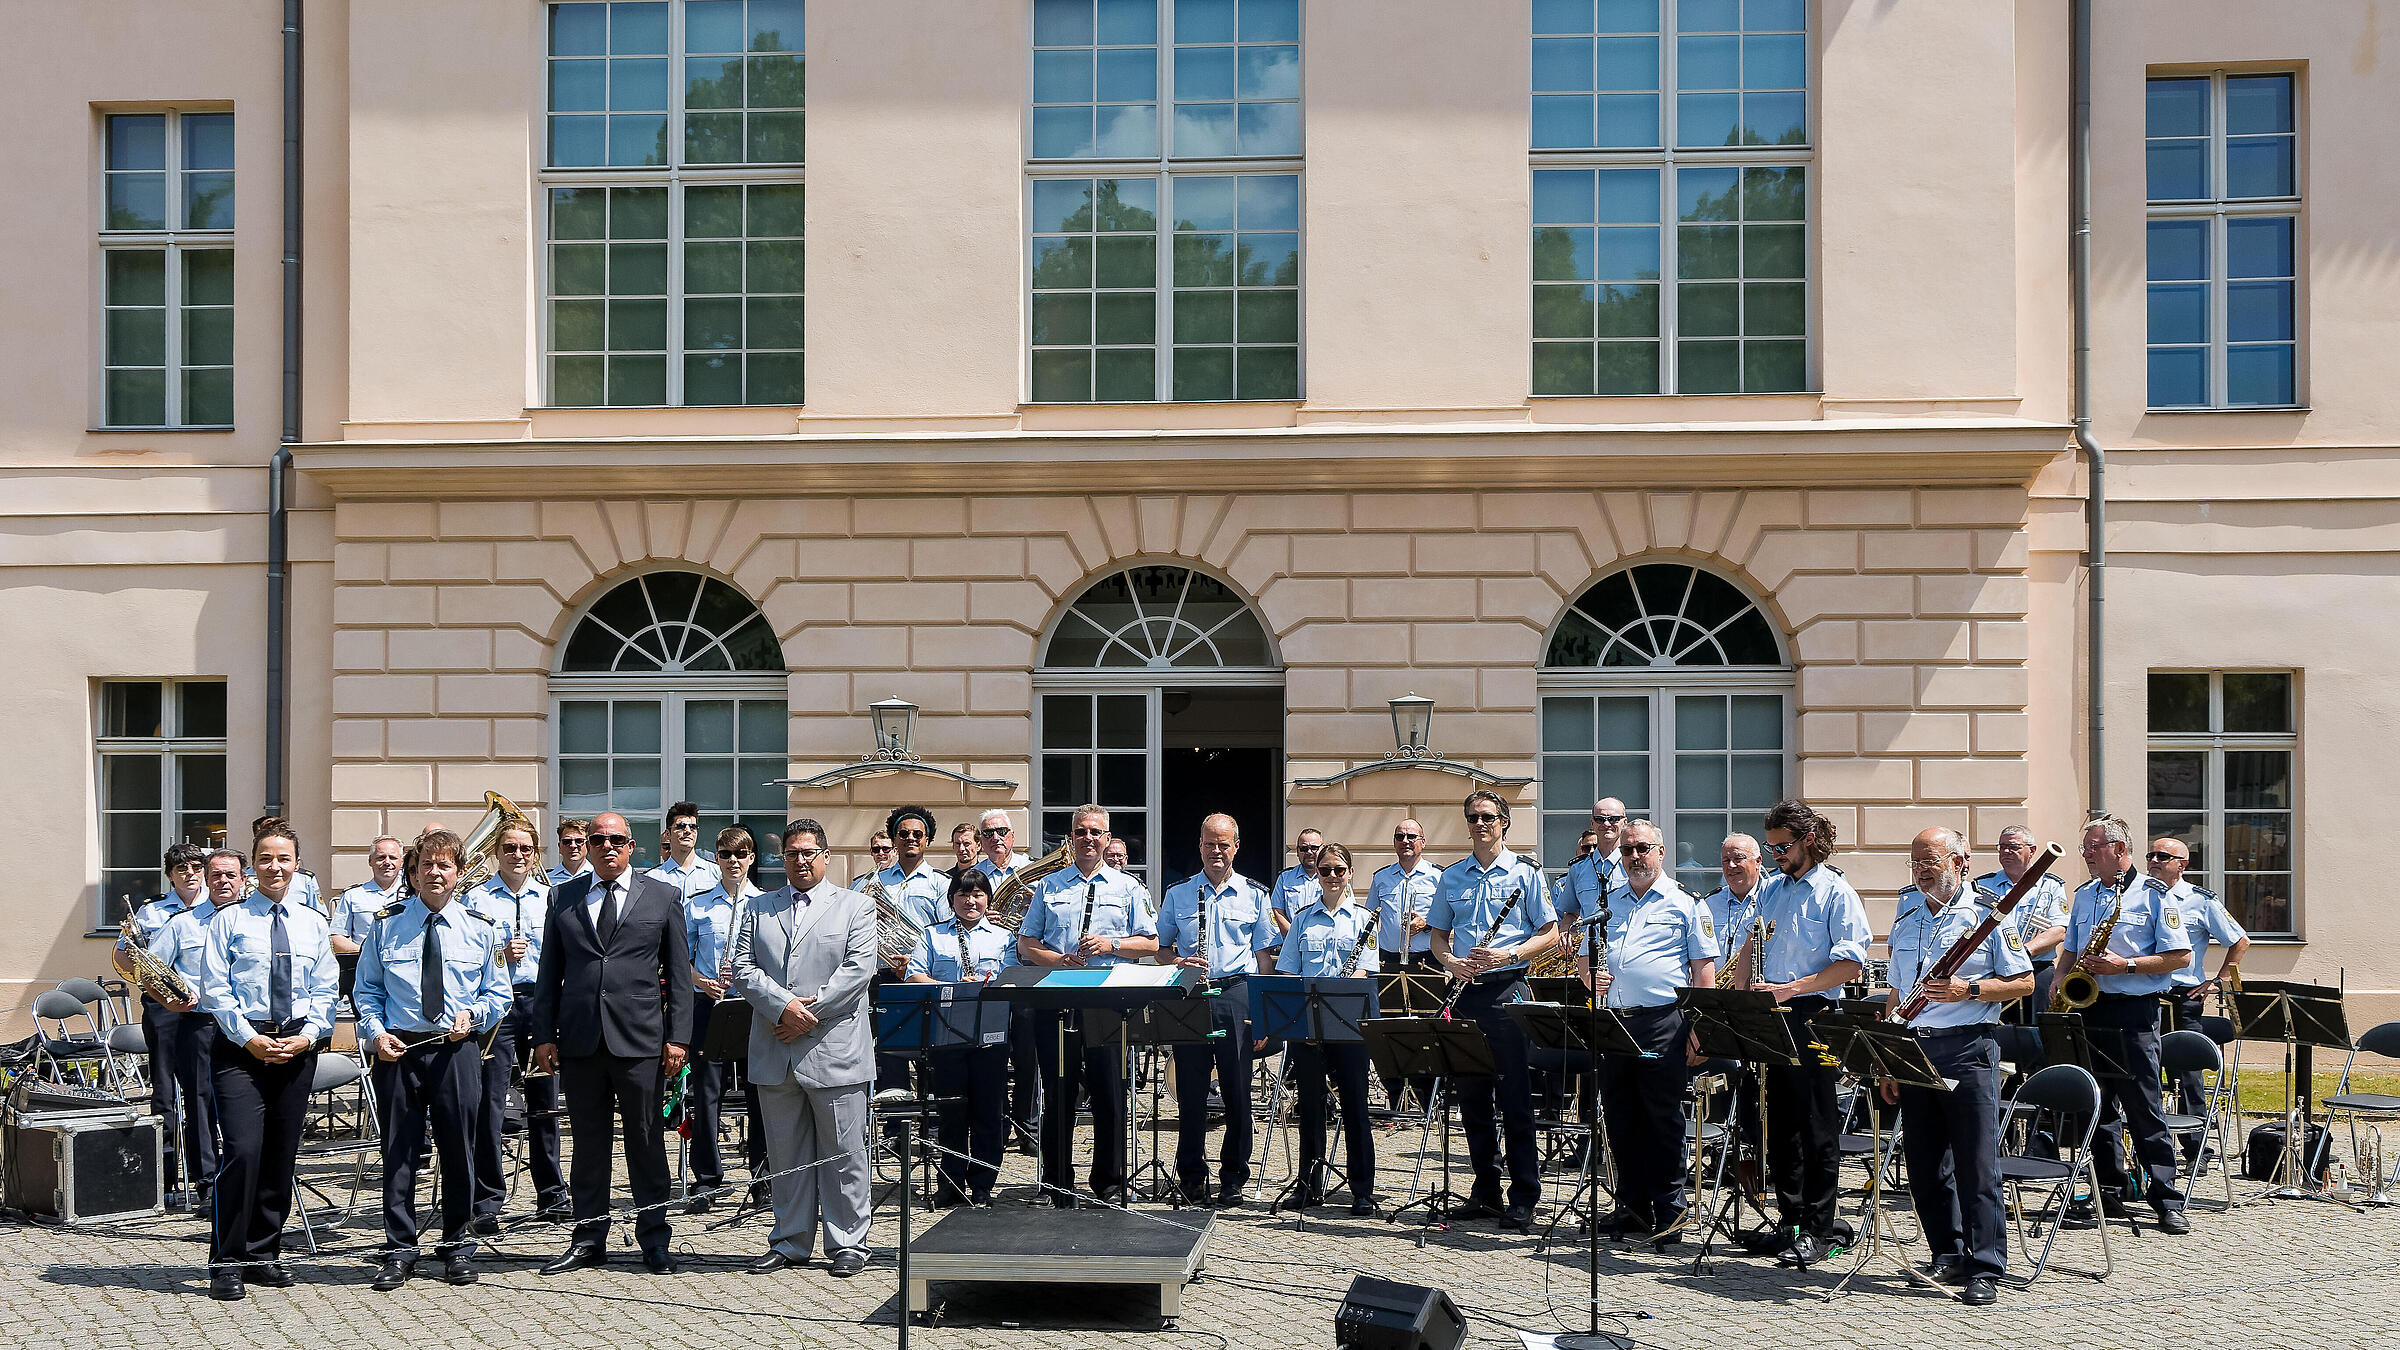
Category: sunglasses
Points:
column 1608, row 820
column 519, row 848
column 1483, row 818
column 909, row 834
column 608, row 840
column 1333, row 871
column 2166, row 857
column 683, row 825
column 881, row 848
column 989, row 831
column 1780, row 849
column 570, row 841
column 1632, row 850
column 733, row 853
column 1402, row 835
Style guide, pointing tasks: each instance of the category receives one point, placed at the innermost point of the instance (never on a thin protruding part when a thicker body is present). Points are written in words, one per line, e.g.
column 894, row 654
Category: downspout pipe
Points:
column 279, row 469
column 2095, row 505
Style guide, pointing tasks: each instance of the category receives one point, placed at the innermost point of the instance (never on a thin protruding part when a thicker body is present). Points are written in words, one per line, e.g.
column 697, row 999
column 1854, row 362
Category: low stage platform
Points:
column 1061, row 1246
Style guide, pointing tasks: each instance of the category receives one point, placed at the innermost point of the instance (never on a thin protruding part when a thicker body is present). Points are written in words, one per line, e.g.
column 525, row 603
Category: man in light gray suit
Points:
column 803, row 958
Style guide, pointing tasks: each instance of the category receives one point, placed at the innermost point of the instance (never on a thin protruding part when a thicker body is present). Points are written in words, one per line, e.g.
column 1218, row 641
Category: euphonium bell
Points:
column 482, row 844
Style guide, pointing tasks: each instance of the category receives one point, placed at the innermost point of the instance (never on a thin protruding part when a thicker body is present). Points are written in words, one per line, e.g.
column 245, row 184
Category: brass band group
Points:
column 493, row 996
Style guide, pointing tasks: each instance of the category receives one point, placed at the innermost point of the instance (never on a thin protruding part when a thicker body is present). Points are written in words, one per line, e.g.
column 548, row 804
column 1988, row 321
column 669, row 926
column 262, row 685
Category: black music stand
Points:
column 725, row 1041
column 1873, row 1049
column 1747, row 1025
column 1429, row 1047
column 1312, row 1010
column 1411, row 993
column 2303, row 1017
column 1586, row 1032
column 1163, row 1025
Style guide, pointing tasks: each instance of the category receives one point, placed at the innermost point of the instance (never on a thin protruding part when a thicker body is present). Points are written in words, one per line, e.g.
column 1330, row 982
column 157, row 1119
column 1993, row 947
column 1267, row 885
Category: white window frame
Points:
column 2215, row 743
column 172, row 748
column 671, row 693
column 172, row 241
column 675, row 177
column 2217, row 209
column 1668, row 160
column 1165, row 167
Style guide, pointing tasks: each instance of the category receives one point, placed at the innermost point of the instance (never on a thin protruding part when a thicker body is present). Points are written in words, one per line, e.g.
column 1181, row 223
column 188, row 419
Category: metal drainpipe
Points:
column 2095, row 505
column 279, row 468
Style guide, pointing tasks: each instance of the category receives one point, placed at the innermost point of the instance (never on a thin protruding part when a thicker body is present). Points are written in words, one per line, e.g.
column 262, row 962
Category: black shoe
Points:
column 1841, row 1234
column 203, row 1200
column 2173, row 1223
column 846, row 1263
column 1950, row 1271
column 1233, row 1199
column 395, row 1272
column 1981, row 1291
column 577, row 1257
column 486, row 1225
column 1517, row 1218
column 456, row 1270
column 981, row 1200
column 226, row 1286
column 774, row 1261
column 557, row 1211
column 1477, row 1209
column 1767, row 1241
column 1804, row 1252
column 1307, row 1197
column 513, row 1125
column 1363, row 1209
column 1115, row 1195
column 272, row 1275
column 1618, row 1222
column 699, row 1204
column 659, row 1263
column 1194, row 1196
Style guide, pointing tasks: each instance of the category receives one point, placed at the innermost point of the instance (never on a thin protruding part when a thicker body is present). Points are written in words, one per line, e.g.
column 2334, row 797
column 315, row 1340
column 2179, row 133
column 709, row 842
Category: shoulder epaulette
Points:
column 391, row 909
column 2202, row 891
column 1833, row 869
column 479, row 914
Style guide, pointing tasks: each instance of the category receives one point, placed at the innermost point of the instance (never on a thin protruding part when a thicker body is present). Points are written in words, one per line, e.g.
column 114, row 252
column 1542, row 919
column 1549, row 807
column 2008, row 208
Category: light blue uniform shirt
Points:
column 558, row 875
column 1818, row 920
column 182, row 942
column 2149, row 925
column 1921, row 937
column 152, row 917
column 1385, row 894
column 354, row 910
column 240, row 961
column 1321, row 941
column 923, row 895
column 1653, row 939
column 688, row 879
column 710, row 920
column 950, row 956
column 996, row 875
column 516, row 914
column 1587, row 880
column 1472, row 895
column 1237, row 923
column 1120, row 908
column 1732, row 914
column 1292, row 889
column 390, row 991
column 2205, row 920
column 2039, row 912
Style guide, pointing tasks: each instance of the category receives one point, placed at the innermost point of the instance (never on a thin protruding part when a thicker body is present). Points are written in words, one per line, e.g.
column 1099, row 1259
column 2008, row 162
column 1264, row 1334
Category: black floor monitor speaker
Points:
column 1386, row 1315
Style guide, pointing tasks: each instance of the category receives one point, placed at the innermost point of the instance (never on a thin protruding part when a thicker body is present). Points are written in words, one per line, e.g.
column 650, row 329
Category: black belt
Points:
column 1970, row 1029
column 2129, row 998
column 266, row 1028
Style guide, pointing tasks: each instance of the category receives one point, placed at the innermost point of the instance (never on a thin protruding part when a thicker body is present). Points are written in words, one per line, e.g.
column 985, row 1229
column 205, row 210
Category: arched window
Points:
column 1159, row 697
column 672, row 687
column 1666, row 687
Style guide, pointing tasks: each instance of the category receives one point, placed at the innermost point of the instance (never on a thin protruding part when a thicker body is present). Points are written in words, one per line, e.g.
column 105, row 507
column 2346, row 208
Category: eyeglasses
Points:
column 1482, row 818
column 992, row 831
column 519, row 848
column 1403, row 835
column 1598, row 819
column 608, row 840
column 1089, row 834
column 1780, row 849
column 1631, row 850
column 2162, row 856
column 804, row 856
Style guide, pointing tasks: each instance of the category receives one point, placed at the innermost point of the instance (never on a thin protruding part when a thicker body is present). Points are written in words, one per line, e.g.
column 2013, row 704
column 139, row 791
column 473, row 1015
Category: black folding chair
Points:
column 2182, row 1052
column 2383, row 1040
column 63, row 1055
column 2073, row 1096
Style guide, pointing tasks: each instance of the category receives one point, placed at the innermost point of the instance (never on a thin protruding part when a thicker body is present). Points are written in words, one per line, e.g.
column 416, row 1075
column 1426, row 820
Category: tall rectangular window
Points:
column 166, row 263
column 2223, row 746
column 2222, row 165
column 161, row 749
column 675, row 202
column 1175, row 274
column 1670, row 196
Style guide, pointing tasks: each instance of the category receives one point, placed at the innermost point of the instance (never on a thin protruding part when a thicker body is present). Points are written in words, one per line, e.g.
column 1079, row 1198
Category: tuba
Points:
column 482, row 844
column 158, row 981
column 2076, row 988
column 895, row 933
column 1014, row 895
column 1558, row 959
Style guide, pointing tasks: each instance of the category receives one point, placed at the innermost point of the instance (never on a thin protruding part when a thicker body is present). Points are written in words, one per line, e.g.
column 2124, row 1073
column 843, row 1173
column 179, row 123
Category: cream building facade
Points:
column 1847, row 561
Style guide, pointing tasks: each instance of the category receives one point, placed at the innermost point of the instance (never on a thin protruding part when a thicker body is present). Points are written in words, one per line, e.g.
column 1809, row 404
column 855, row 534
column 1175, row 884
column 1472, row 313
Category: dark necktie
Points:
column 279, row 970
column 429, row 983
column 608, row 910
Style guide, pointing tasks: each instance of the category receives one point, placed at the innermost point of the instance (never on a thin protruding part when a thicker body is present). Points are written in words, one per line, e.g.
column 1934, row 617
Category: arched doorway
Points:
column 671, row 686
column 1159, row 695
column 1667, row 686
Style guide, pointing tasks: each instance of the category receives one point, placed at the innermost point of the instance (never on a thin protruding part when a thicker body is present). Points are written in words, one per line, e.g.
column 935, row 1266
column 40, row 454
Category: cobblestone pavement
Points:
column 2306, row 1274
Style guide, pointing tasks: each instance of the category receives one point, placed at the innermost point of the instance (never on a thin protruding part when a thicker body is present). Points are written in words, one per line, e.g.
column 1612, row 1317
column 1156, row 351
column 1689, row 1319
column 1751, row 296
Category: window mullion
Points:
column 1162, row 275
column 2219, row 344
column 173, row 272
column 674, row 382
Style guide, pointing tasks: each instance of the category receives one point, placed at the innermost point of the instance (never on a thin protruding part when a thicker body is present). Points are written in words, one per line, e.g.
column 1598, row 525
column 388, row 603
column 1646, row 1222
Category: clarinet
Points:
column 1208, row 959
column 1459, row 986
column 1366, row 943
column 1091, row 897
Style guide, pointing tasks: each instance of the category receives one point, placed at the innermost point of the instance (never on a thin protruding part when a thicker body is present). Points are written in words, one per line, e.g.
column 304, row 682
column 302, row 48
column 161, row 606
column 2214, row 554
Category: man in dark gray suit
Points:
column 612, row 1014
column 803, row 959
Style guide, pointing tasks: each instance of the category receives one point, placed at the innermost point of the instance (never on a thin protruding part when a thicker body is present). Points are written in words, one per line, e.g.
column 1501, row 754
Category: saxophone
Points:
column 2076, row 988
column 158, row 981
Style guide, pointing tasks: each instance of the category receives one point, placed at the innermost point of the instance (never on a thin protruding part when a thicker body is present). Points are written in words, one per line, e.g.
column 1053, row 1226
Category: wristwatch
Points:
column 1975, row 991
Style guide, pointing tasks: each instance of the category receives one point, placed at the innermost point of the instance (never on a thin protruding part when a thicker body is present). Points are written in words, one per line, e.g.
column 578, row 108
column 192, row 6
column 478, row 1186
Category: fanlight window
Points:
column 669, row 623
column 1664, row 614
column 1158, row 618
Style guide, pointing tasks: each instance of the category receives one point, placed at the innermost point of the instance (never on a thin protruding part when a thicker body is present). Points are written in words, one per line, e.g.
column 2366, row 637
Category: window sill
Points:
column 2277, row 408
column 156, row 431
column 104, row 934
column 2287, row 940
